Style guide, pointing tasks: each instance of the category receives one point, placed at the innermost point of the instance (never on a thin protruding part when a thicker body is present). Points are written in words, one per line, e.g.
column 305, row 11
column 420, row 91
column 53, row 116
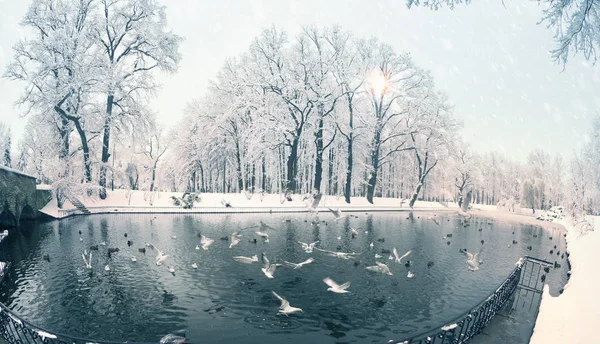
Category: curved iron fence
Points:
column 16, row 330
column 471, row 323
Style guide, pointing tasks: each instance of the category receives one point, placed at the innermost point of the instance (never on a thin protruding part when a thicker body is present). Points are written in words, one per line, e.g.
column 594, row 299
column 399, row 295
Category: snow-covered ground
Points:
column 572, row 317
column 120, row 201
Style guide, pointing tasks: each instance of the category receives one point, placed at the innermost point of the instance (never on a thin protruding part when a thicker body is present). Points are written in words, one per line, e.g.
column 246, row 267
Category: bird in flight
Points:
column 285, row 307
column 336, row 288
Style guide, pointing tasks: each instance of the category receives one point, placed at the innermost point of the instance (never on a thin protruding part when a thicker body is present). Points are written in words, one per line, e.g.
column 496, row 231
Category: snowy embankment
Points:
column 124, row 201
column 572, row 317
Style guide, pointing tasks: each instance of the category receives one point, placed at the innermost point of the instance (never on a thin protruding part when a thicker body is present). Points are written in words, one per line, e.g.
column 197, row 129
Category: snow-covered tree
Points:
column 391, row 80
column 576, row 24
column 5, row 145
column 134, row 42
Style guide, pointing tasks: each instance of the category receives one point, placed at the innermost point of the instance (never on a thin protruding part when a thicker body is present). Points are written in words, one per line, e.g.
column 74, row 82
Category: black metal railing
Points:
column 471, row 323
column 526, row 277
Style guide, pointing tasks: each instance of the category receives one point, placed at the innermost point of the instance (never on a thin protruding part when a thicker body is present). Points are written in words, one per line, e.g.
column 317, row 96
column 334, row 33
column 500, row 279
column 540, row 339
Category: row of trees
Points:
column 321, row 112
column 291, row 113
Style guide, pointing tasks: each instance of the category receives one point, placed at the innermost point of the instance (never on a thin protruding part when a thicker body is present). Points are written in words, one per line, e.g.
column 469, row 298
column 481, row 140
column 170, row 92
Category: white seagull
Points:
column 263, row 235
column 194, row 265
column 268, row 269
column 472, row 260
column 285, row 307
column 308, row 248
column 336, row 288
column 197, row 247
column 235, row 239
column 399, row 259
column 246, row 260
column 341, row 255
column 337, row 213
column 299, row 265
column 205, row 242
column 134, row 259
column 410, row 275
column 171, row 269
column 87, row 261
column 354, row 232
column 160, row 257
column 380, row 267
column 107, row 268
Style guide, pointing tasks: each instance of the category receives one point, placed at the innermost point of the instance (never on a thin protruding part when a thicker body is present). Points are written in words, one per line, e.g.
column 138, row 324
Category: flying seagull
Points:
column 336, row 288
column 380, row 267
column 263, row 235
column 246, row 260
column 285, row 307
column 268, row 269
column 308, row 248
column 354, row 232
column 313, row 207
column 299, row 265
column 341, row 255
column 235, row 239
column 399, row 259
column 434, row 220
column 337, row 213
column 472, row 260
column 87, row 261
column 205, row 242
column 160, row 257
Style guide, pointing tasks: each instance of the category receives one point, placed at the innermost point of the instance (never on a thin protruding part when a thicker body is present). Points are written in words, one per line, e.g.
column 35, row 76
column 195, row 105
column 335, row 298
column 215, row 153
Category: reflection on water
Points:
column 227, row 301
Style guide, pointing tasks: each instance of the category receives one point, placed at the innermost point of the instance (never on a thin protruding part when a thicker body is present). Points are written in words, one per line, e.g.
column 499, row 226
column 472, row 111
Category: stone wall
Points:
column 18, row 200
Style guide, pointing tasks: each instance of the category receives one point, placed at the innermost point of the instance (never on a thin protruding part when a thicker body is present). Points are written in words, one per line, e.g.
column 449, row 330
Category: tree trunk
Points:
column 86, row 151
column 319, row 154
column 253, row 178
column 238, row 171
column 292, row 166
column 264, row 175
column 348, row 187
column 105, row 144
column 373, row 177
column 415, row 195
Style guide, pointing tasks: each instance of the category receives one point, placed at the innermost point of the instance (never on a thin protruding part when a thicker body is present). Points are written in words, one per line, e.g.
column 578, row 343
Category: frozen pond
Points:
column 224, row 301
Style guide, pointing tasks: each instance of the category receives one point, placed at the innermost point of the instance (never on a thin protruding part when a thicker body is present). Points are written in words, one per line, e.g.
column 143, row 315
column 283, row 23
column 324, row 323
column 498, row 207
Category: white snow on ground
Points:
column 120, row 201
column 573, row 316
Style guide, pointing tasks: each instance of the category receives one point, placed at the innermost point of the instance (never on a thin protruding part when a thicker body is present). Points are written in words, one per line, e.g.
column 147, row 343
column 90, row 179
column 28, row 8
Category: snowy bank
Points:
column 573, row 316
column 128, row 201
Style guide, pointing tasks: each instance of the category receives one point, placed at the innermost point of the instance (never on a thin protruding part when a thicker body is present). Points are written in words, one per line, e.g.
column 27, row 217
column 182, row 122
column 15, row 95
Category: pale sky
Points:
column 491, row 60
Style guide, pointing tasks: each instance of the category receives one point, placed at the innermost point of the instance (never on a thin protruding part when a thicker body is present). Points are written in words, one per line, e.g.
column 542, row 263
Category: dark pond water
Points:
column 223, row 301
